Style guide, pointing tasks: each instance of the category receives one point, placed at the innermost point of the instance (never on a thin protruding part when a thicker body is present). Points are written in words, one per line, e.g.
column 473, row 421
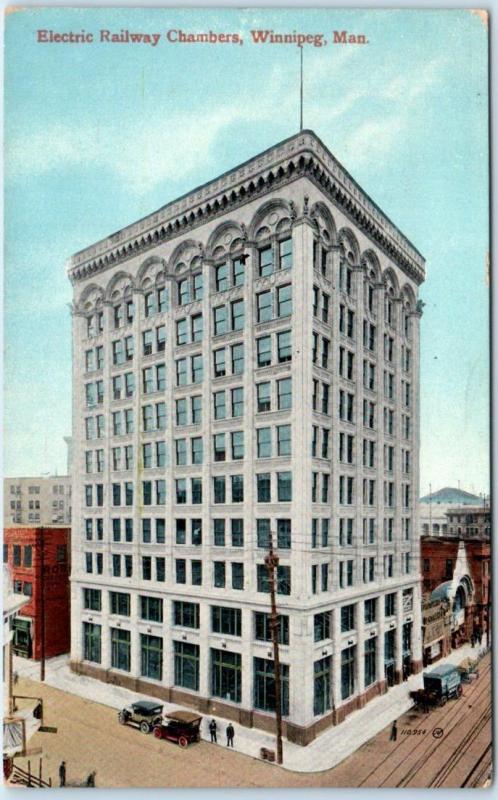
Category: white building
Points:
column 246, row 361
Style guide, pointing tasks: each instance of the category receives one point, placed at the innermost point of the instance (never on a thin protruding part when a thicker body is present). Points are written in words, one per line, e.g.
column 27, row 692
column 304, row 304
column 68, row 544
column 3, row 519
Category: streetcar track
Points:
column 474, row 695
column 453, row 715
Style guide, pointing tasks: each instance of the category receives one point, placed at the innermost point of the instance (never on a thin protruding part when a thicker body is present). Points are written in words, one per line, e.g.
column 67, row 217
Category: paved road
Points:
column 89, row 738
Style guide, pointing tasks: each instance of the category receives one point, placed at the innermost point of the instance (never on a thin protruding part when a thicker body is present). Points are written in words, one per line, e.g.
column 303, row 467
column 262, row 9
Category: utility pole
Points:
column 301, row 92
column 271, row 563
column 42, row 604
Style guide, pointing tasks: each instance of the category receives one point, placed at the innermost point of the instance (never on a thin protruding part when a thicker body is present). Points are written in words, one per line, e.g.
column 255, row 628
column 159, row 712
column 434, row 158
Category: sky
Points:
column 100, row 134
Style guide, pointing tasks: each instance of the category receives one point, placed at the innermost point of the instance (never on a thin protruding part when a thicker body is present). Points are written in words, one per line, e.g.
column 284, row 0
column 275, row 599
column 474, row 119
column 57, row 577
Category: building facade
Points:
column 470, row 522
column 42, row 581
column 457, row 570
column 246, row 365
column 37, row 501
column 434, row 508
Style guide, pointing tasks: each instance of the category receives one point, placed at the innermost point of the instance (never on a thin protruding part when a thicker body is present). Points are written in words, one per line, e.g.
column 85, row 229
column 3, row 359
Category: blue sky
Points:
column 98, row 135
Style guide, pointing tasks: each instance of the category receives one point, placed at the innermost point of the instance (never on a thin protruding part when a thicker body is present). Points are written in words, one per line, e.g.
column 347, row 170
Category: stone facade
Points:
column 37, row 500
column 307, row 360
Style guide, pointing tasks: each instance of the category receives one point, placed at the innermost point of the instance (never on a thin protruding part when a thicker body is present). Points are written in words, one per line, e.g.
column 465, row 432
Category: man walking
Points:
column 230, row 734
column 62, row 773
column 394, row 732
column 212, row 730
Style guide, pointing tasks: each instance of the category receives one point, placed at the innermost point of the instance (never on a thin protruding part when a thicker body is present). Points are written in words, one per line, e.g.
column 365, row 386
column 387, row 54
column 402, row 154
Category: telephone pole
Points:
column 271, row 563
column 42, row 603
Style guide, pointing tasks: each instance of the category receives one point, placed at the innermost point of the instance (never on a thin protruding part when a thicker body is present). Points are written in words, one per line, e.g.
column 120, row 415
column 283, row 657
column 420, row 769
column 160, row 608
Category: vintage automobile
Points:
column 182, row 727
column 145, row 714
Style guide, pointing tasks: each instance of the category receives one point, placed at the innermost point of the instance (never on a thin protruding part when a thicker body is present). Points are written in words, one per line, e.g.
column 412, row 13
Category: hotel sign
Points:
column 436, row 621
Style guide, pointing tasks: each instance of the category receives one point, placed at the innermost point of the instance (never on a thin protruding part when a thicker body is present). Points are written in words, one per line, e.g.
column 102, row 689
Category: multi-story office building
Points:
column 246, row 364
column 37, row 501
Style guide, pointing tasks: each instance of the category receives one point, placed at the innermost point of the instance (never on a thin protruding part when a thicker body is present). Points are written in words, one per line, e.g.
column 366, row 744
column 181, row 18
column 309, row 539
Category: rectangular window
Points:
column 226, row 675
column 219, row 447
column 263, row 438
column 120, row 649
column 347, row 672
column 237, row 315
column 284, row 394
column 151, row 657
column 265, row 261
column 220, row 322
column 262, row 627
column 284, row 445
column 197, row 450
column 219, row 405
column 237, row 442
column 237, row 401
column 264, row 307
column 227, row 621
column 219, row 489
column 186, row 664
column 284, row 301
column 219, row 363
column 92, row 648
column 263, row 346
column 186, row 614
column 264, row 686
column 263, row 391
column 284, row 487
column 322, row 680
column 219, row 574
column 237, row 359
column 263, row 482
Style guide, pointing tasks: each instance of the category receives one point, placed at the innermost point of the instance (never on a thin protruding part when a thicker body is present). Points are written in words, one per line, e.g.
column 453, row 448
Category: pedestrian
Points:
column 62, row 773
column 425, row 701
column 212, row 730
column 230, row 734
column 479, row 636
column 473, row 640
column 90, row 781
column 394, row 732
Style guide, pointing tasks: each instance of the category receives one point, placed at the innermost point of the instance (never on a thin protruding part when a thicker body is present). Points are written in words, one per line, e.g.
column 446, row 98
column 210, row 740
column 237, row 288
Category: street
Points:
column 448, row 747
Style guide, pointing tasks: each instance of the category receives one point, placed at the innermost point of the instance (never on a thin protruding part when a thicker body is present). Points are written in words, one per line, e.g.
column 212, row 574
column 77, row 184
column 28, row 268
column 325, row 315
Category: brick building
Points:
column 457, row 571
column 46, row 592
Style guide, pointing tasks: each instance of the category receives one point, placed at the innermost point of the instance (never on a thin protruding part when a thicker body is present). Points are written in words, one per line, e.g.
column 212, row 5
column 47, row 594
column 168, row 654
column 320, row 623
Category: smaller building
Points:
column 436, row 629
column 37, row 501
column 469, row 522
column 456, row 572
column 434, row 508
column 38, row 558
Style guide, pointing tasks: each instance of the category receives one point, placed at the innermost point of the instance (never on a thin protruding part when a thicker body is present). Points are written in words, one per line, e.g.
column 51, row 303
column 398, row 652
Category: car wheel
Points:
column 157, row 732
column 145, row 727
column 459, row 691
column 443, row 700
column 183, row 741
column 122, row 719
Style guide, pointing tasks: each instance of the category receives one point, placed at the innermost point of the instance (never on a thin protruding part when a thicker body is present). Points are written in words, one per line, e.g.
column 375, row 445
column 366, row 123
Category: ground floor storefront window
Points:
column 187, row 665
column 322, row 700
column 151, row 656
column 264, row 685
column 370, row 661
column 226, row 675
column 120, row 649
column 347, row 671
column 92, row 642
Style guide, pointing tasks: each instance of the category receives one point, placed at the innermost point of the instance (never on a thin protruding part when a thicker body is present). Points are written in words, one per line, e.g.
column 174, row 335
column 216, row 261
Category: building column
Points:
column 302, row 287
column 398, row 677
column 336, row 659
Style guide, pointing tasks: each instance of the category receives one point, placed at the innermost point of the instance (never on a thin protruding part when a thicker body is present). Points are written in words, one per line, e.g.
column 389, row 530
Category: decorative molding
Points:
column 301, row 156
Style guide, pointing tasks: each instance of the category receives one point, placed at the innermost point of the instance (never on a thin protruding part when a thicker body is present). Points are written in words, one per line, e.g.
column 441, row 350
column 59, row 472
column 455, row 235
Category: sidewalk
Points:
column 328, row 750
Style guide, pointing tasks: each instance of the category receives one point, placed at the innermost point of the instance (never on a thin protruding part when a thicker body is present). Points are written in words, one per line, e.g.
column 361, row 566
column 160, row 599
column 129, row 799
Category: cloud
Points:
column 142, row 152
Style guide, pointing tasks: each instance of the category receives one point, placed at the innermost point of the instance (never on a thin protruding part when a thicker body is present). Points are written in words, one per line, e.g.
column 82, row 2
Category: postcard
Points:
column 246, row 489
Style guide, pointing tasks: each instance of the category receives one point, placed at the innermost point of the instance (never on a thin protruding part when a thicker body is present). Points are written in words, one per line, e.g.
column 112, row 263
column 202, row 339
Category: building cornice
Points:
column 302, row 155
